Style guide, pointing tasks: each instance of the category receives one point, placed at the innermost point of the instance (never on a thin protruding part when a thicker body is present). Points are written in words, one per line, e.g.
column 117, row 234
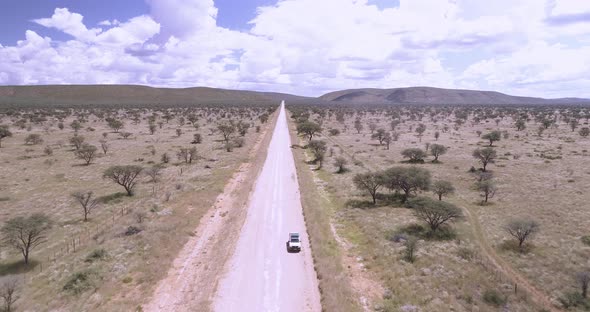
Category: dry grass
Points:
column 32, row 182
column 538, row 184
column 335, row 289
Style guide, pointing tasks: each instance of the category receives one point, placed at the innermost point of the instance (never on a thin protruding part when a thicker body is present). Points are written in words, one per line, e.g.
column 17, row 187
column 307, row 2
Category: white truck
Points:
column 294, row 243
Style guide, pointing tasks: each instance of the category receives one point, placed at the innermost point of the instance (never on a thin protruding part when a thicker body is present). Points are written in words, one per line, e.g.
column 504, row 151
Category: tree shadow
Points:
column 512, row 246
column 17, row 267
column 419, row 161
column 443, row 233
column 361, row 204
column 112, row 198
column 383, row 200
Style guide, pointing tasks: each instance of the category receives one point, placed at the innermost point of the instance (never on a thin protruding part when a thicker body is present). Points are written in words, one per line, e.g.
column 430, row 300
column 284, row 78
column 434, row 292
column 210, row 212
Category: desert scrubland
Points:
column 405, row 250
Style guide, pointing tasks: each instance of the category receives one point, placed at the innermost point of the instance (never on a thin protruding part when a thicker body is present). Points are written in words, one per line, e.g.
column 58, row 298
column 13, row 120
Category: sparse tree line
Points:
column 405, row 183
column 26, row 234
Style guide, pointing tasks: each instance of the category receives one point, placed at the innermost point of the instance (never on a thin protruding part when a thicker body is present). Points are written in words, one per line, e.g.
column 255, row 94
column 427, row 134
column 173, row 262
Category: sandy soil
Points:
column 262, row 275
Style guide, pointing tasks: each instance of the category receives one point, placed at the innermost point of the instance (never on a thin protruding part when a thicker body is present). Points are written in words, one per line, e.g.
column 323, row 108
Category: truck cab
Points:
column 294, row 243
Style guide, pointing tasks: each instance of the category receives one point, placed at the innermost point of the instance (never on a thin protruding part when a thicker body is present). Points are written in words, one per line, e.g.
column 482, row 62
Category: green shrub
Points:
column 573, row 299
column 586, row 240
column 493, row 297
column 97, row 254
column 466, row 253
column 80, row 282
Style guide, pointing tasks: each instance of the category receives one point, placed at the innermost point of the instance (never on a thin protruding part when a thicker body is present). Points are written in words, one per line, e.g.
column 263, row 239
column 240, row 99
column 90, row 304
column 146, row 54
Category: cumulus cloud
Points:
column 70, row 23
column 183, row 18
column 137, row 30
column 310, row 47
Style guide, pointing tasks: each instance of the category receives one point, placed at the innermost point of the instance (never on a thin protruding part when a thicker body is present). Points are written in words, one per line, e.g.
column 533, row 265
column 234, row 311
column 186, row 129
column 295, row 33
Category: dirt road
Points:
column 261, row 275
column 192, row 280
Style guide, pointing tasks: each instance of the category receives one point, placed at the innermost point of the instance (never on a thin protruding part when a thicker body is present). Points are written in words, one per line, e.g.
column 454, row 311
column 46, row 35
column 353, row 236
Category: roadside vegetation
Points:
column 97, row 201
column 455, row 207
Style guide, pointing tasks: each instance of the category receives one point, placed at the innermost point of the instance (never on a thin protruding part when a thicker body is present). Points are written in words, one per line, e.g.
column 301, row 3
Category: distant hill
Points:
column 132, row 95
column 428, row 95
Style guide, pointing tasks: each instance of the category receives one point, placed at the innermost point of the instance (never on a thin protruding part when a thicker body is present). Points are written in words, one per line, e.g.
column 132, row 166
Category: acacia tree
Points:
column 369, row 182
column 25, row 234
column 387, row 139
column 379, row 135
column 437, row 150
column 152, row 128
column 411, row 249
column 520, row 125
column 434, row 213
column 583, row 279
column 318, row 149
column 8, row 288
column 4, row 133
column 227, row 130
column 487, row 188
column 372, row 127
column 115, row 124
column 86, row 202
column 105, row 146
column 187, row 154
column 358, row 125
column 154, row 173
column 77, row 141
column 76, row 125
column 409, row 180
column 33, row 139
column 124, row 176
column 492, row 137
column 420, row 130
column 308, row 129
column 485, row 156
column 339, row 163
column 573, row 124
column 521, row 230
column 415, row 155
column 87, row 153
column 442, row 188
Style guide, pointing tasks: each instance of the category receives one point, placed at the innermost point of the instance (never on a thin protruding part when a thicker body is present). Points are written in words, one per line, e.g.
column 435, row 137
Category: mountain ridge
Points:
column 139, row 95
column 431, row 95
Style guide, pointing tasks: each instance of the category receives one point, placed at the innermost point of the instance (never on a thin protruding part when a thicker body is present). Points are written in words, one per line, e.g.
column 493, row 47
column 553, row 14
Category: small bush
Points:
column 334, row 132
column 586, row 240
column 80, row 282
column 96, row 255
column 132, row 230
column 494, row 298
column 574, row 299
column 411, row 245
column 466, row 253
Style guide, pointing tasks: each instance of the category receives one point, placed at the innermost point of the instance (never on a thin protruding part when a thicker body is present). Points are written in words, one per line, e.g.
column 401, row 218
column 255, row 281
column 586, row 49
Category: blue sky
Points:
column 18, row 14
column 308, row 47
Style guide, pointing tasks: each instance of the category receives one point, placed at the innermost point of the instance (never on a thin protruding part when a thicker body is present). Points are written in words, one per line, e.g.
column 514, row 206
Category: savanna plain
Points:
column 407, row 207
column 101, row 200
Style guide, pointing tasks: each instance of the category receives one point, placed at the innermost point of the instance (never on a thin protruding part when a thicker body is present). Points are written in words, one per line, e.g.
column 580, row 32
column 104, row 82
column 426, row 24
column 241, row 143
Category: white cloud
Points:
column 137, row 30
column 70, row 23
column 182, row 18
column 528, row 47
column 109, row 23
